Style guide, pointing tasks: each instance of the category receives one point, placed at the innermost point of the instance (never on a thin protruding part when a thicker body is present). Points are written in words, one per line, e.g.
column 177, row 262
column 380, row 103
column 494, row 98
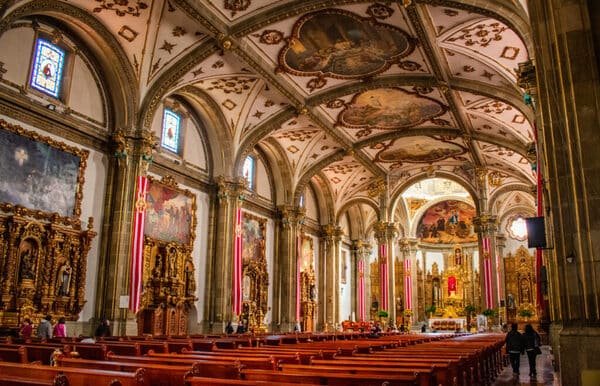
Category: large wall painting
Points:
column 419, row 149
column 447, row 222
column 40, row 173
column 340, row 44
column 170, row 212
column 307, row 253
column 389, row 109
column 253, row 237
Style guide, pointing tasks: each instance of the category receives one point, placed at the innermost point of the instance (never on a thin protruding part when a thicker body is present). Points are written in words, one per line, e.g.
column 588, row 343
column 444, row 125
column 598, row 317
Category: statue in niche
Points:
column 525, row 293
column 26, row 268
column 457, row 256
column 158, row 267
column 64, row 279
column 246, row 288
column 511, row 301
column 190, row 283
column 172, row 260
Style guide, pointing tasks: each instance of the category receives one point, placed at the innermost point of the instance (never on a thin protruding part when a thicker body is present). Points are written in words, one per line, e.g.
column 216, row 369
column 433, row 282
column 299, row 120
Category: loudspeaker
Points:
column 536, row 232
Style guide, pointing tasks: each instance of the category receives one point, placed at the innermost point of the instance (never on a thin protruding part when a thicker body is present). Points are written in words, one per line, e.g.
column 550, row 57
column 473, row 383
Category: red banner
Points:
column 407, row 285
column 137, row 254
column 237, row 264
column 362, row 316
column 383, row 274
column 451, row 285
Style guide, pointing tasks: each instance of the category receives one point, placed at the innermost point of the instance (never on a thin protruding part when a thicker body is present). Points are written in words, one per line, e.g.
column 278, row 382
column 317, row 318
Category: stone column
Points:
column 500, row 244
column 485, row 226
column 360, row 255
column 329, row 276
column 285, row 272
column 219, row 305
column 408, row 248
column 132, row 155
column 567, row 64
column 385, row 234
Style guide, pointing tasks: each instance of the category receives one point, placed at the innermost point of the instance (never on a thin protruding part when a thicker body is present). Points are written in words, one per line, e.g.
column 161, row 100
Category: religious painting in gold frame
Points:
column 40, row 174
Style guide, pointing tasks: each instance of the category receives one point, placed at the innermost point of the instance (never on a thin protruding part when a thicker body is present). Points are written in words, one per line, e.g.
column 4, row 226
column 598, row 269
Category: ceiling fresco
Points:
column 346, row 93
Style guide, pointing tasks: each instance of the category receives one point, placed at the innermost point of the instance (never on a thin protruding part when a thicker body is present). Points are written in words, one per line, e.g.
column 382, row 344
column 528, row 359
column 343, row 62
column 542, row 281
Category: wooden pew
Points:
column 15, row 355
column 25, row 380
column 74, row 376
column 203, row 381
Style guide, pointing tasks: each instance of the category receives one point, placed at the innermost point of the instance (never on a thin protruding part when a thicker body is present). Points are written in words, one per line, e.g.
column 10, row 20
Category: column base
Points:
column 578, row 353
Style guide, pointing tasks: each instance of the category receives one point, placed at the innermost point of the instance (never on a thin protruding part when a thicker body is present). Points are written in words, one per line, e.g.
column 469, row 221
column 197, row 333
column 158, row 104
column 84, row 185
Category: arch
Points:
column 521, row 209
column 507, row 189
column 116, row 68
column 313, row 170
column 421, row 211
column 324, row 198
column 438, row 174
column 356, row 203
column 219, row 140
column 280, row 173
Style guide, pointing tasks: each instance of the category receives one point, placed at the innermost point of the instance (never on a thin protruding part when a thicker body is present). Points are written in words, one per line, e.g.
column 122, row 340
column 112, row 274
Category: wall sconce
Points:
column 50, row 106
column 570, row 258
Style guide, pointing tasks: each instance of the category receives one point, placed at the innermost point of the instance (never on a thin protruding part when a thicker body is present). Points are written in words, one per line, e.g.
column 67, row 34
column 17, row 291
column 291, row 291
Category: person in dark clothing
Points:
column 103, row 329
column 229, row 328
column 531, row 341
column 240, row 328
column 514, row 347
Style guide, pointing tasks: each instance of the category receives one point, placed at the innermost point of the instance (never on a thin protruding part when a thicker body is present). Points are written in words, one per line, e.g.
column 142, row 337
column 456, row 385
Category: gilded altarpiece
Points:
column 43, row 247
column 452, row 289
column 374, row 288
column 520, row 286
column 308, row 291
column 169, row 283
column 255, row 276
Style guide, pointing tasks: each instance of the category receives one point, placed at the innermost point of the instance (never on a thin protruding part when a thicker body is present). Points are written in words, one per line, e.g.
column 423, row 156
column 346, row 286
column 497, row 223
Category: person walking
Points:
column 44, row 330
column 60, row 329
column 26, row 329
column 514, row 347
column 532, row 343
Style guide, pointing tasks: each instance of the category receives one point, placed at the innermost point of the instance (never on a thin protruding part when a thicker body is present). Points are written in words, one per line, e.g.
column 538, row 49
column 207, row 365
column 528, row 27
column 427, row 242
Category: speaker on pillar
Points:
column 536, row 232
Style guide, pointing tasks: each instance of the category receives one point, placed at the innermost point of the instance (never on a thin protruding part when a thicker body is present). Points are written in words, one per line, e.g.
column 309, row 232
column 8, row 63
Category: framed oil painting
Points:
column 40, row 173
column 170, row 212
column 447, row 222
column 253, row 237
column 307, row 253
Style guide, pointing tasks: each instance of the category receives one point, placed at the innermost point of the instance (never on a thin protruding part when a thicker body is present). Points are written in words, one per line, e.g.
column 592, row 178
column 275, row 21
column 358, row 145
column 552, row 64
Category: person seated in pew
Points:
column 229, row 328
column 240, row 328
column 103, row 329
column 26, row 329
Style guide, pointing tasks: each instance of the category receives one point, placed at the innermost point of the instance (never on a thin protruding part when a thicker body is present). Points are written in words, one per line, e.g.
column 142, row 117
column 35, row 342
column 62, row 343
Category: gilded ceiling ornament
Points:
column 342, row 168
column 423, row 89
column 179, row 31
column 316, row 83
column 380, row 11
column 167, row 46
column 340, row 44
column 481, row 34
column 237, row 5
column 450, row 12
column 270, row 36
column 409, row 65
column 297, row 135
column 494, row 107
column 128, row 33
column 419, row 149
column 335, row 103
column 121, row 7
column 233, row 85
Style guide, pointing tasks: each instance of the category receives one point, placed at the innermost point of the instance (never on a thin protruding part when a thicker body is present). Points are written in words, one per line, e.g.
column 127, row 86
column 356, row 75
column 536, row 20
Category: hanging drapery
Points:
column 487, row 272
column 137, row 254
column 407, row 284
column 361, row 291
column 237, row 264
column 383, row 274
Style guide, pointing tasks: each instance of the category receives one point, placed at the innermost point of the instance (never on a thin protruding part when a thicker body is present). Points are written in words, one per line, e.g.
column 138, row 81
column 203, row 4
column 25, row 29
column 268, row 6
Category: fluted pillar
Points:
column 132, row 155
column 219, row 304
column 329, row 290
column 386, row 234
column 361, row 251
column 485, row 226
column 408, row 248
column 285, row 280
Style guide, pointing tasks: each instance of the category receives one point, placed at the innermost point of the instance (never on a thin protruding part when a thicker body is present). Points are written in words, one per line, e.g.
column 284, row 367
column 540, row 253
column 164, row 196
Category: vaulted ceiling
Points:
column 344, row 92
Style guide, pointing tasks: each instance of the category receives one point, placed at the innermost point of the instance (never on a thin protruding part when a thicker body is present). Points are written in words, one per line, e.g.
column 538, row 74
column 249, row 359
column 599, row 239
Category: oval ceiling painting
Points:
column 447, row 222
column 341, row 44
column 419, row 149
column 388, row 109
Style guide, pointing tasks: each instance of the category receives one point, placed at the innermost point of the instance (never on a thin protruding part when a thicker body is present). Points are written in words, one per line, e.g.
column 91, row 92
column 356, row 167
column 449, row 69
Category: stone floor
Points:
column 545, row 372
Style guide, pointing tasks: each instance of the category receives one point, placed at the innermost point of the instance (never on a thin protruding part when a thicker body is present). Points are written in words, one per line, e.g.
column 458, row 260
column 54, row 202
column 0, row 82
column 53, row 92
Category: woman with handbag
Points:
column 532, row 347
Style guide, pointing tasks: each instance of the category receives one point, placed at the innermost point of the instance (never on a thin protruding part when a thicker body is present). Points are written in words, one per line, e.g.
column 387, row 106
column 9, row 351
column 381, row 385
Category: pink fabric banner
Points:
column 237, row 265
column 383, row 274
column 407, row 284
column 361, row 291
column 137, row 253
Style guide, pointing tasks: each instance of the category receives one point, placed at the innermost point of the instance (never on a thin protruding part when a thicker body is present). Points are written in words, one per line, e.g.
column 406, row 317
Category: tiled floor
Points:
column 545, row 372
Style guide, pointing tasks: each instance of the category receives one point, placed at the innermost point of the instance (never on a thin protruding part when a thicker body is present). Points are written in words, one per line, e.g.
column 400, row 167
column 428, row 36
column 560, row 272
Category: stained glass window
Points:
column 249, row 172
column 48, row 67
column 170, row 131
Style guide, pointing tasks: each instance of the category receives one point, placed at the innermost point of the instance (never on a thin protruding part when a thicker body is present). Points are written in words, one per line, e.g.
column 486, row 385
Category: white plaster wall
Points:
column 193, row 149
column 92, row 205
column 16, row 49
column 262, row 185
column 512, row 245
column 84, row 96
column 310, row 203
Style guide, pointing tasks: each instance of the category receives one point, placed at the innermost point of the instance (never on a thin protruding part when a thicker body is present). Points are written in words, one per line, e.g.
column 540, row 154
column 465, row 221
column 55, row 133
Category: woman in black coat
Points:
column 531, row 340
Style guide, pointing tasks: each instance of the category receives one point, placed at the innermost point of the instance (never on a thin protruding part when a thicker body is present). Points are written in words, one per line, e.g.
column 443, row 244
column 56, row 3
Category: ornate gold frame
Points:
column 37, row 214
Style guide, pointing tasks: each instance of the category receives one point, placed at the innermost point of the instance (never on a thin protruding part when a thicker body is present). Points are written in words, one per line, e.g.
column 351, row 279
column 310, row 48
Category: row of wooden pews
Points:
column 317, row 359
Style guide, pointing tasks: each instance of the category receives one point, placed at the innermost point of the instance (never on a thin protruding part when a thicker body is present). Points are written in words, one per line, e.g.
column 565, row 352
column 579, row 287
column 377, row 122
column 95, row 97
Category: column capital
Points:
column 331, row 231
column 385, row 231
column 230, row 188
column 485, row 223
column 408, row 244
column 291, row 215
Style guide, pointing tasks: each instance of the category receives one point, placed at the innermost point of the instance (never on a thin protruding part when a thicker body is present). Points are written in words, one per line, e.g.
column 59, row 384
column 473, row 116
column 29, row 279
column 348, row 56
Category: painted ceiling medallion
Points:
column 419, row 149
column 237, row 5
column 121, row 7
column 389, row 109
column 340, row 44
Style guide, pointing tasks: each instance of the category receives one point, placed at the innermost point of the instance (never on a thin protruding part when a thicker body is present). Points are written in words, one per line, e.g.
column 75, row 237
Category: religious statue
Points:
column 64, row 279
column 457, row 256
column 26, row 268
column 525, row 295
column 190, row 283
column 172, row 260
column 511, row 301
column 157, row 271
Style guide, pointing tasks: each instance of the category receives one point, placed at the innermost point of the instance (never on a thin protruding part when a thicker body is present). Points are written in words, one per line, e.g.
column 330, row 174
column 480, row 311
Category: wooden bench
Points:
column 24, row 380
column 203, row 381
column 74, row 376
